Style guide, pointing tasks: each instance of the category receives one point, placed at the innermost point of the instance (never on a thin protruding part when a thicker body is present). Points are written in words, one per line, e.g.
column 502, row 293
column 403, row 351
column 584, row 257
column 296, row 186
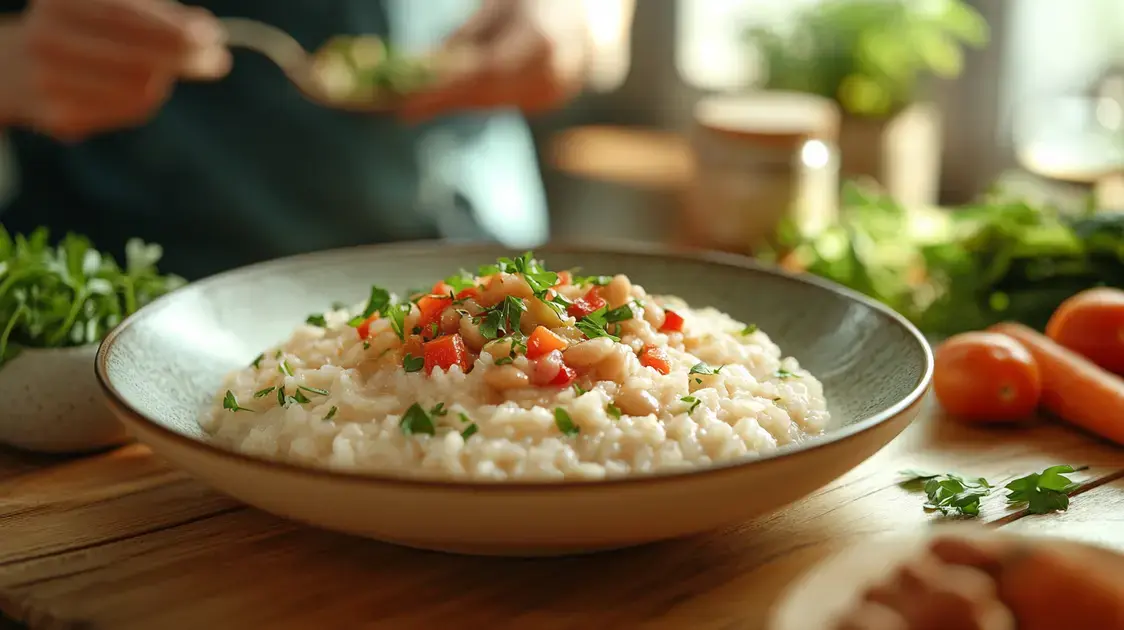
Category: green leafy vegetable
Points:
column 397, row 313
column 619, row 314
column 503, row 318
column 70, row 294
column 231, row 403
column 314, row 390
column 613, row 411
column 692, row 402
column 410, row 363
column 416, row 421
column 596, row 325
column 599, row 281
column 565, row 423
column 702, row 368
column 470, row 431
column 783, row 373
column 264, row 392
column 949, row 494
column 299, row 397
column 1044, row 492
column 316, row 320
column 331, row 413
column 256, row 363
column 749, row 330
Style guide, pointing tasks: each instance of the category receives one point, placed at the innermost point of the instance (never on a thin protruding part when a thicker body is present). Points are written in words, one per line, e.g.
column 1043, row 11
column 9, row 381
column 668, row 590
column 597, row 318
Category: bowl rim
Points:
column 602, row 247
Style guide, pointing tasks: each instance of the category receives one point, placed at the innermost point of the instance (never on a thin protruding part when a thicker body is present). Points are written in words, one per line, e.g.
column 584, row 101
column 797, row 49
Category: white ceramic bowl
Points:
column 53, row 404
column 161, row 365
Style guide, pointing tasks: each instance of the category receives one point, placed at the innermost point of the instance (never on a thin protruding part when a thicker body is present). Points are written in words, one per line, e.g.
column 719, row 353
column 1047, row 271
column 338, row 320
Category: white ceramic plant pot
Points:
column 53, row 404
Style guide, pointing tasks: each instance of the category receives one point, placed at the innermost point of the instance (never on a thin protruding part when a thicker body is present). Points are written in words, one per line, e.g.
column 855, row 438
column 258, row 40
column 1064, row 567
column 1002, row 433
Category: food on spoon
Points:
column 516, row 372
column 363, row 69
column 1091, row 324
column 986, row 377
column 1073, row 388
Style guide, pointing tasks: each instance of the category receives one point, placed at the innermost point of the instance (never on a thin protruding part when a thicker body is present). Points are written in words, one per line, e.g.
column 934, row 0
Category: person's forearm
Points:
column 10, row 70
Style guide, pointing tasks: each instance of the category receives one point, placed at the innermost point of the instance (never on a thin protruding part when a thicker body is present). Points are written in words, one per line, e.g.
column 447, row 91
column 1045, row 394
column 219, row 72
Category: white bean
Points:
column 499, row 348
column 654, row 314
column 505, row 377
column 546, row 368
column 588, row 353
column 450, row 321
column 471, row 334
column 636, row 402
column 614, row 366
column 619, row 291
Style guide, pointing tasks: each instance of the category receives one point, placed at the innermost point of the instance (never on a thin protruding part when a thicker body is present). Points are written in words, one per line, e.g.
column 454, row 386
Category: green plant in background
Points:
column 964, row 268
column 70, row 294
column 868, row 54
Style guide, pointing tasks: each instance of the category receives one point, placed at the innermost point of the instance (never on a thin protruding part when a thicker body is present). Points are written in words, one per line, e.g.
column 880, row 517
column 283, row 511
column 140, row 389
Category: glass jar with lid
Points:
column 759, row 159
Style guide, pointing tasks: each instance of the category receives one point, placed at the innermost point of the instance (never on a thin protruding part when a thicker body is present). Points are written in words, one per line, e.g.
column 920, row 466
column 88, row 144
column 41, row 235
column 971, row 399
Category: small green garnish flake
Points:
column 461, row 281
column 300, row 398
column 416, row 421
column 565, row 423
column 410, row 363
column 281, row 398
column 783, row 373
column 464, row 418
column 377, row 302
column 262, row 393
column 470, row 431
column 693, row 403
column 578, row 390
column 503, row 318
column 230, row 403
column 504, row 360
column 439, row 410
column 619, row 314
column 314, row 390
column 397, row 315
column 949, row 494
column 704, row 369
column 316, row 320
column 599, row 281
column 331, row 413
column 595, row 325
column 1044, row 492
column 256, row 363
column 613, row 411
column 284, row 368
column 749, row 330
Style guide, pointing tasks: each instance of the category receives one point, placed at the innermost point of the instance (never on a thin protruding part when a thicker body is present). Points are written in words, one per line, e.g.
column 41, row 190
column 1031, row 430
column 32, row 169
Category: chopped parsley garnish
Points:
column 702, row 368
column 749, row 330
column 300, row 398
column 504, row 360
column 613, row 411
column 1044, row 492
column 693, row 402
column 416, row 330
column 578, row 391
column 366, row 345
column 461, row 281
column 378, row 302
column 397, row 313
column 314, row 390
column 783, row 373
column 281, row 399
column 470, row 431
column 949, row 494
column 410, row 363
column 416, row 421
column 231, row 403
column 565, row 423
column 620, row 314
column 278, row 354
column 594, row 325
column 264, row 392
column 317, row 320
column 257, row 361
column 284, row 368
column 464, row 417
column 503, row 318
column 331, row 413
column 439, row 410
column 599, row 281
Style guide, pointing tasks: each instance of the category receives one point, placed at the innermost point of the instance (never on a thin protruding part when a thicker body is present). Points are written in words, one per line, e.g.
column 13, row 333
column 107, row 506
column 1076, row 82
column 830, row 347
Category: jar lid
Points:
column 781, row 119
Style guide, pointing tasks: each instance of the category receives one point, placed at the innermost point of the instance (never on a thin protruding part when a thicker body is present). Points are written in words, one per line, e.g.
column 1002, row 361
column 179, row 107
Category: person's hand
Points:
column 86, row 66
column 500, row 58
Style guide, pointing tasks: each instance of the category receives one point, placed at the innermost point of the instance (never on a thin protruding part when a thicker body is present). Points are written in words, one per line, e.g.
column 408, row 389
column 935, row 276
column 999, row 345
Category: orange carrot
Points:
column 1073, row 388
column 1091, row 324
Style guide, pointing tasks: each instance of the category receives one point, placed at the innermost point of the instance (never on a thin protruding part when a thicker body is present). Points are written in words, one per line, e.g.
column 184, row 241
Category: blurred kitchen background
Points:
column 691, row 132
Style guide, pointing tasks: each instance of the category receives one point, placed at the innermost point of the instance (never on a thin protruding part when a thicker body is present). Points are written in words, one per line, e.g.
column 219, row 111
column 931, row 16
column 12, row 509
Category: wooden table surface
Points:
column 121, row 540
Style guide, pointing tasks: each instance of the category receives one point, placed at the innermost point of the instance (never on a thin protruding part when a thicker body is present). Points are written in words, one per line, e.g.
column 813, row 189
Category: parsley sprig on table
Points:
column 1040, row 493
column 70, row 294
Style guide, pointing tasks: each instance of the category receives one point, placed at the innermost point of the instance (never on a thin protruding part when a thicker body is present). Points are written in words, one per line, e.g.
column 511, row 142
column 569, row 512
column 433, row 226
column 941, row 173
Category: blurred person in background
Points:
column 130, row 118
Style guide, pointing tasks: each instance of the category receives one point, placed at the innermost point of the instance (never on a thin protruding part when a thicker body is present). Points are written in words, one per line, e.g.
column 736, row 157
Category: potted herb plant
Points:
column 871, row 57
column 56, row 305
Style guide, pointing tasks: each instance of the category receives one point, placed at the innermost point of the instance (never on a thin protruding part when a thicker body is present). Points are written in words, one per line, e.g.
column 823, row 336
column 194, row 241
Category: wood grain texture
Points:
column 120, row 540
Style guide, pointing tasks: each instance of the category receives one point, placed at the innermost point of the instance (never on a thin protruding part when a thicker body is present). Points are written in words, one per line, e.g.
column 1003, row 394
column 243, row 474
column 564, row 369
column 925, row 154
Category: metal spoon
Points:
column 297, row 63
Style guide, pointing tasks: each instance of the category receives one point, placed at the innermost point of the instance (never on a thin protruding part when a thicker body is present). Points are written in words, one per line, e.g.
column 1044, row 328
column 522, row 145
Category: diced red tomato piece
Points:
column 470, row 292
column 431, row 307
column 587, row 304
column 542, row 342
column 364, row 329
column 566, row 375
column 445, row 352
column 673, row 322
column 441, row 288
column 413, row 346
column 655, row 358
column 564, row 278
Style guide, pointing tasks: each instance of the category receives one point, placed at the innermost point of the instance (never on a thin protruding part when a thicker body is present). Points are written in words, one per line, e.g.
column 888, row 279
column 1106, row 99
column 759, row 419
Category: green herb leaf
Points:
column 317, row 320
column 314, row 390
column 284, row 368
column 264, row 392
column 749, row 330
column 613, row 411
column 692, row 401
column 281, row 398
column 504, row 360
column 417, row 421
column 619, row 314
column 595, row 325
column 783, row 373
column 397, row 313
column 256, row 363
column 229, row 402
column 948, row 493
column 578, row 391
column 503, row 318
column 410, row 363
column 1044, row 492
column 331, row 413
column 439, row 410
column 378, row 302
column 300, row 398
column 565, row 423
column 599, row 281
column 702, row 368
column 461, row 281
column 470, row 431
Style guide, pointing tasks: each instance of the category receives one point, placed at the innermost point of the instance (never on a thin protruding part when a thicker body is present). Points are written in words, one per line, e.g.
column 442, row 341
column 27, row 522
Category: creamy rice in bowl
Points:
column 517, row 372
column 523, row 408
